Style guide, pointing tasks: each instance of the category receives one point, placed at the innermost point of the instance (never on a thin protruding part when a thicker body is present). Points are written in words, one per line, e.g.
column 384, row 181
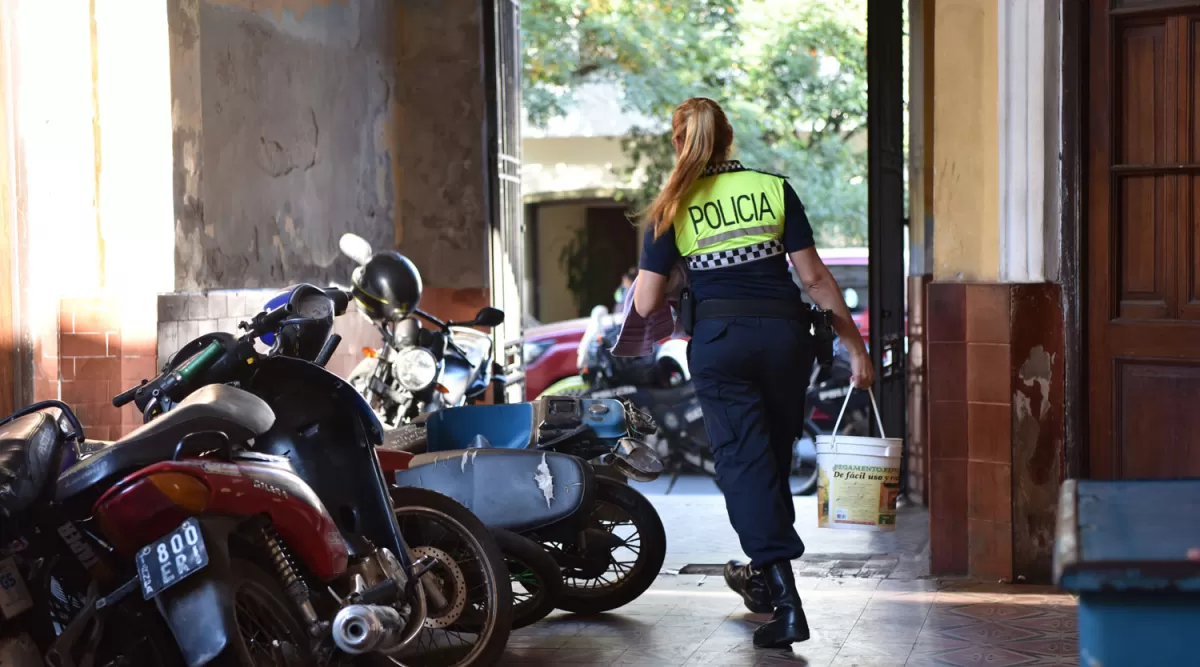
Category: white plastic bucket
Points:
column 858, row 478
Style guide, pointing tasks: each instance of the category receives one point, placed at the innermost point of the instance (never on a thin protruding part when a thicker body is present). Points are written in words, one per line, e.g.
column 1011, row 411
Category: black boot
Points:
column 750, row 584
column 789, row 624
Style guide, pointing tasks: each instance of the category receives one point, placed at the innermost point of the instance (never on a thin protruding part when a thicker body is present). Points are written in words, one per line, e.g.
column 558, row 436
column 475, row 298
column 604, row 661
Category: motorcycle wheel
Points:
column 803, row 479
column 473, row 625
column 269, row 632
column 537, row 581
column 619, row 509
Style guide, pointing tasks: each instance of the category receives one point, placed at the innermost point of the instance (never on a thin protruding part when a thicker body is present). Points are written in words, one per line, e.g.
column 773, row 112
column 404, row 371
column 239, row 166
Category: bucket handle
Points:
column 838, row 424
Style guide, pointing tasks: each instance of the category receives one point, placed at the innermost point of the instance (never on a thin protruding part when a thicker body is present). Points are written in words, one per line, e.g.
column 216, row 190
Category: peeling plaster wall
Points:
column 1038, row 427
column 299, row 120
column 440, row 118
column 288, row 152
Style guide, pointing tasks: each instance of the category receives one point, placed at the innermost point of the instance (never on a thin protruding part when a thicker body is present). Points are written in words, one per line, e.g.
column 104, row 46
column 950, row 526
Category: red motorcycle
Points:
column 260, row 521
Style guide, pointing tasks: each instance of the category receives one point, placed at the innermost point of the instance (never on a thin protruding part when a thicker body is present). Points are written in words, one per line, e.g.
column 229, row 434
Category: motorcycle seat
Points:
column 506, row 489
column 27, row 456
column 238, row 414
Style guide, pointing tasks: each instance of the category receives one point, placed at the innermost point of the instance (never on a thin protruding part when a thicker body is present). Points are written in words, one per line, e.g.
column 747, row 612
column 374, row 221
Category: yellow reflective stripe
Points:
column 708, row 241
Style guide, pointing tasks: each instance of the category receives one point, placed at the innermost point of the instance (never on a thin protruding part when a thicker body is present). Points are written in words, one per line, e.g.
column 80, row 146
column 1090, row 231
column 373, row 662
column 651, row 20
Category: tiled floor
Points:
column 868, row 604
column 856, row 622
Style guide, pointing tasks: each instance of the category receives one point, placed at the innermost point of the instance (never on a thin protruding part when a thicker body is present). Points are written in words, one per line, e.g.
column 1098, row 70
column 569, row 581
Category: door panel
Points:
column 1143, row 331
column 1151, row 393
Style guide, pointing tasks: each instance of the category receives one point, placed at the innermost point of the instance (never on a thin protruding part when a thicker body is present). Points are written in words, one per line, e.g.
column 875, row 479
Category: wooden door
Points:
column 1143, row 249
column 612, row 250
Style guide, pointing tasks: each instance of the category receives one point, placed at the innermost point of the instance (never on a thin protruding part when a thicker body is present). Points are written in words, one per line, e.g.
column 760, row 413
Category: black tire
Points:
column 262, row 609
column 804, row 472
column 537, row 581
column 596, row 595
column 431, row 521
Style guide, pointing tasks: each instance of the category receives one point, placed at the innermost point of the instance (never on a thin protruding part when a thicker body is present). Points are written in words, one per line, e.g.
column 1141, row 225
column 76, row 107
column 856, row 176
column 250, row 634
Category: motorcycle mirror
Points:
column 355, row 247
column 489, row 317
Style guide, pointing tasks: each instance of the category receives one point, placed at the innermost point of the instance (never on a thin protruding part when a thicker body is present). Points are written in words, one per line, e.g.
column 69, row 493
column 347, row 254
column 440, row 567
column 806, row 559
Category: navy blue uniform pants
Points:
column 750, row 375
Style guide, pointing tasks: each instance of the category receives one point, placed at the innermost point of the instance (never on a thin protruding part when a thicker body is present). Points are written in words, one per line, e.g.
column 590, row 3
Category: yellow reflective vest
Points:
column 730, row 218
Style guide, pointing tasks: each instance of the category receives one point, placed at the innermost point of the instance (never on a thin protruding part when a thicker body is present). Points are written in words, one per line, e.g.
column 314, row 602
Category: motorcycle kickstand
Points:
column 671, row 484
column 60, row 654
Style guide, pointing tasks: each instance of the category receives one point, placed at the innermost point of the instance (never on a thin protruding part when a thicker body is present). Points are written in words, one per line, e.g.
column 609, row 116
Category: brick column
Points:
column 102, row 350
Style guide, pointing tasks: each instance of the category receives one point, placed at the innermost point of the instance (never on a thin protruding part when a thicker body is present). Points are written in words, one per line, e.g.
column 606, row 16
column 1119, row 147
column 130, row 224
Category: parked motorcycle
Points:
column 66, row 595
column 535, row 577
column 661, row 383
column 418, row 373
column 611, row 552
column 285, row 543
column 418, row 370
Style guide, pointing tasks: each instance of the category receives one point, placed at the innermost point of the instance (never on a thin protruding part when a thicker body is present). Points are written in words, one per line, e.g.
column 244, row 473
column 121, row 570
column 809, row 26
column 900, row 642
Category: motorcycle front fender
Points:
column 676, row 350
column 574, row 383
column 200, row 609
column 516, row 490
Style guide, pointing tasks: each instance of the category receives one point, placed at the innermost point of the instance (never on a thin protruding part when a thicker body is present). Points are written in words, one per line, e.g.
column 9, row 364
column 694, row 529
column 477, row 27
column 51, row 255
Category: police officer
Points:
column 751, row 350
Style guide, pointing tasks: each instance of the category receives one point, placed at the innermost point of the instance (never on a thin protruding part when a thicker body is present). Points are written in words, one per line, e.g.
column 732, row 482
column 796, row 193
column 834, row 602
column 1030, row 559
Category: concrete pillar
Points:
column 965, row 141
column 993, row 326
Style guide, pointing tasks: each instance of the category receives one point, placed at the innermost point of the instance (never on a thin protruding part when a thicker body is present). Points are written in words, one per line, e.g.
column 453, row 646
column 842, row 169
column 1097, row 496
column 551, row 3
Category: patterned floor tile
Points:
column 983, row 633
column 993, row 656
column 855, row 621
column 995, row 611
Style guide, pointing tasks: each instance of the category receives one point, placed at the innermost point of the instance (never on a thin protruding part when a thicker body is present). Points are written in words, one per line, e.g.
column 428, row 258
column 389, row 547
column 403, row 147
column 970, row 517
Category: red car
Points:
column 551, row 350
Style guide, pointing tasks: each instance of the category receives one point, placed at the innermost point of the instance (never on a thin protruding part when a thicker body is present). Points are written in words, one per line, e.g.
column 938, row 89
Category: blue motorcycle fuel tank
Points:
column 512, row 426
column 606, row 416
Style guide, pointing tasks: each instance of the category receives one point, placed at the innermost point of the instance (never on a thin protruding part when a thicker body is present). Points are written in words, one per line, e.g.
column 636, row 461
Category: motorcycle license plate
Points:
column 693, row 414
column 167, row 561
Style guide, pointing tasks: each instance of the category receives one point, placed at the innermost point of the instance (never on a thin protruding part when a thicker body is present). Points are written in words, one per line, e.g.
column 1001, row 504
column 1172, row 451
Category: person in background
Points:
column 622, row 291
column 751, row 348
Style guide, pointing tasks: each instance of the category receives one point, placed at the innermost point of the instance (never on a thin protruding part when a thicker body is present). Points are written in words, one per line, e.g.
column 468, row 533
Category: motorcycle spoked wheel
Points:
column 269, row 630
column 472, row 624
column 602, row 577
column 803, row 480
column 536, row 579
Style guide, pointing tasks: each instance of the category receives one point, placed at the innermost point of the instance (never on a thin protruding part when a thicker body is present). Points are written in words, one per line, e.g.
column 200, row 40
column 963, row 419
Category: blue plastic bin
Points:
column 1122, row 548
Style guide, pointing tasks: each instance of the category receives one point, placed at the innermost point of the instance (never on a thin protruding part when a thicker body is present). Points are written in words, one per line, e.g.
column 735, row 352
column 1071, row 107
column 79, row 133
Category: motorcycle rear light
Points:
column 818, row 415
column 149, row 508
column 369, row 353
column 184, row 490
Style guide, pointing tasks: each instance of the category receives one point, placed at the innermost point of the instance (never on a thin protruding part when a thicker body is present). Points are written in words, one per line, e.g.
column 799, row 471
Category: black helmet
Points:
column 387, row 287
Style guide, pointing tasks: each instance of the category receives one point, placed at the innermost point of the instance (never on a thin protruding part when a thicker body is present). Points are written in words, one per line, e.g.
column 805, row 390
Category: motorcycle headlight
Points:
column 416, row 369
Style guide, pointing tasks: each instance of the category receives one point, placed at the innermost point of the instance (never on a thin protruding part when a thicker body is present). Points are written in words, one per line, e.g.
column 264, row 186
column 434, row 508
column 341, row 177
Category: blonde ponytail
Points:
column 702, row 136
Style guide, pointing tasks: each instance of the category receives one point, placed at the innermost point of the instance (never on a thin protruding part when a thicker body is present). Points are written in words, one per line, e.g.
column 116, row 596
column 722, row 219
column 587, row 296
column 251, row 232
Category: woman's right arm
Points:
column 823, row 289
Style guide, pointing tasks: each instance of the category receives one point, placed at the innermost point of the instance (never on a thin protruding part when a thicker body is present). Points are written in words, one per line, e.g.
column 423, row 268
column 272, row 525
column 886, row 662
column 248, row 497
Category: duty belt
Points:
column 777, row 309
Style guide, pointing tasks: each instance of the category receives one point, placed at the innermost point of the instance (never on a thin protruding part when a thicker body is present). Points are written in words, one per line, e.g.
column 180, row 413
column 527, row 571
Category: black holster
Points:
column 823, row 335
column 687, row 311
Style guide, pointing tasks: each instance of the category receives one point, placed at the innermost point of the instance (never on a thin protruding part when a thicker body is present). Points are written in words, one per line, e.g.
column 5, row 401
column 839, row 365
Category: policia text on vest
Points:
column 730, row 211
column 742, row 208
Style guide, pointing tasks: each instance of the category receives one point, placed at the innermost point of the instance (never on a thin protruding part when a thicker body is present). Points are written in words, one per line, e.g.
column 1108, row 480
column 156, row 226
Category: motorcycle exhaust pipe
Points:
column 374, row 628
column 367, row 628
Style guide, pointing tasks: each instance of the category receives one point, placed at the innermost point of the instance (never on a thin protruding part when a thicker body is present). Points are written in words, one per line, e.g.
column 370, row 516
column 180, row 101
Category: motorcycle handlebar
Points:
column 168, row 381
column 125, row 397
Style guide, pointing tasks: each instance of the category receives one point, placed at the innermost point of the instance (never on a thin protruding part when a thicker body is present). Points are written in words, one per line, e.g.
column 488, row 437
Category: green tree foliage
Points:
column 791, row 75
